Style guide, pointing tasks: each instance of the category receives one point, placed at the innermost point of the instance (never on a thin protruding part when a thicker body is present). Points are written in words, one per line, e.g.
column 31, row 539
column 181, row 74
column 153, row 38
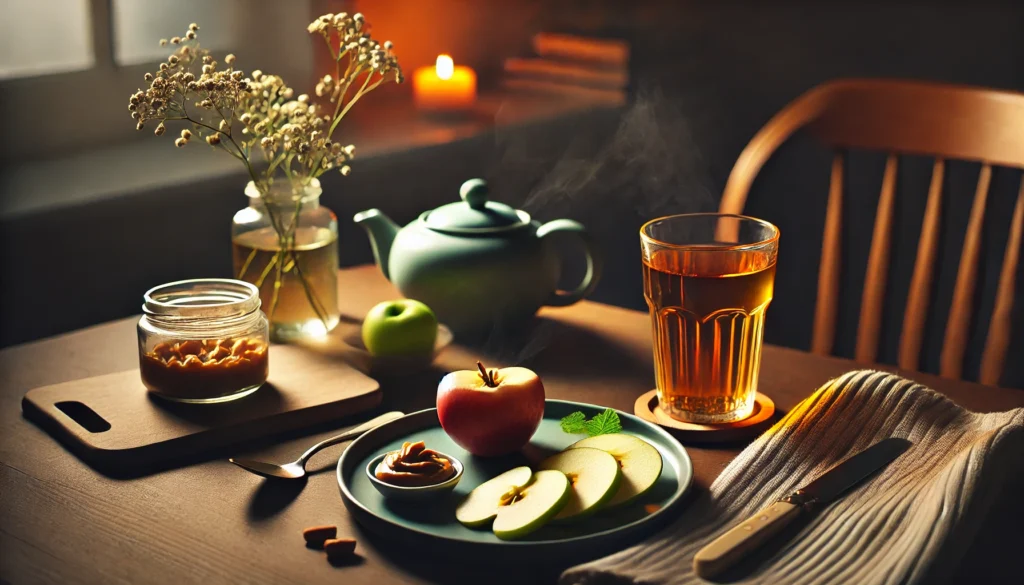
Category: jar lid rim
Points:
column 202, row 297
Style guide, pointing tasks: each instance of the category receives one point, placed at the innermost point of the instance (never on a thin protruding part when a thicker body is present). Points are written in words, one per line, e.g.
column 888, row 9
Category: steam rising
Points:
column 611, row 172
column 647, row 161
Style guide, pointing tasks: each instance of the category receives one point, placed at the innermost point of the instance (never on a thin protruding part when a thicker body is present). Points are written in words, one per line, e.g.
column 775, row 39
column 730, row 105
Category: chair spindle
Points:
column 919, row 296
column 878, row 269
column 951, row 361
column 999, row 331
column 828, row 271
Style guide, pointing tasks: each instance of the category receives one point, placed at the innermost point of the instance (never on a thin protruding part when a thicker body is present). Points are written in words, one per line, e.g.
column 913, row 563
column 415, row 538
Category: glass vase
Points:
column 286, row 244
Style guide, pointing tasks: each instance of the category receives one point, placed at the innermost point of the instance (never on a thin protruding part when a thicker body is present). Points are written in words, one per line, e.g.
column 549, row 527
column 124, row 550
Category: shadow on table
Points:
column 348, row 561
column 428, row 563
column 272, row 496
column 266, row 401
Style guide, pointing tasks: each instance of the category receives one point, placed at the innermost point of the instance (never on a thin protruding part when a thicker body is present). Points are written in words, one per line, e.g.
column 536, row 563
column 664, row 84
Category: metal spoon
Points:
column 297, row 468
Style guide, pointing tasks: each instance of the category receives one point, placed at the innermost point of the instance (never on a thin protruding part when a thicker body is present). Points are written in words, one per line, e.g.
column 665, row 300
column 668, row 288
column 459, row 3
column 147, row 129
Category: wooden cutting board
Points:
column 112, row 421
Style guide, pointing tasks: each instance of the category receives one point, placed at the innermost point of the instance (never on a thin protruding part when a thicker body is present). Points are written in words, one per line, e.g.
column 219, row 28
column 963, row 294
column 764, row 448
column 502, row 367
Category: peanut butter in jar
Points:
column 203, row 341
column 204, row 369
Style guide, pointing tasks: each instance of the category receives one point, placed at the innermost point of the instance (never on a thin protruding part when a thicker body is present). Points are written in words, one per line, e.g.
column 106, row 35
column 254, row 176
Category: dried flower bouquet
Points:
column 258, row 119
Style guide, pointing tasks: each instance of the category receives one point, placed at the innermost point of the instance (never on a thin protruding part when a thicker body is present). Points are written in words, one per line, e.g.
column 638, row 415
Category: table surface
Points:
column 61, row 521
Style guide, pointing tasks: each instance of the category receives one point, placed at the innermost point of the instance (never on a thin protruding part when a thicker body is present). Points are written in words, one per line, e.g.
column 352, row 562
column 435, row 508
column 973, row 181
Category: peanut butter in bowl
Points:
column 414, row 466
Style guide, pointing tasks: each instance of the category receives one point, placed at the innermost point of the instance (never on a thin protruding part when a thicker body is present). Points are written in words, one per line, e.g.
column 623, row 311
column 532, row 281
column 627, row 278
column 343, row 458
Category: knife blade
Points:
column 727, row 549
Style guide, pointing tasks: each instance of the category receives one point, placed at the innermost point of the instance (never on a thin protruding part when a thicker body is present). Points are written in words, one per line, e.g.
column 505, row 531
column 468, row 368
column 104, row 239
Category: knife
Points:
column 729, row 548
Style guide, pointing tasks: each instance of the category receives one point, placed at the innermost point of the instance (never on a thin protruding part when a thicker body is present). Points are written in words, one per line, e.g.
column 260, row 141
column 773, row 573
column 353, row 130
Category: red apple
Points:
column 490, row 412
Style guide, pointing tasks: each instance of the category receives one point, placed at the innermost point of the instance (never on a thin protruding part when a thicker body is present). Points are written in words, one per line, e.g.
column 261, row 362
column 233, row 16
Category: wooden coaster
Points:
column 646, row 407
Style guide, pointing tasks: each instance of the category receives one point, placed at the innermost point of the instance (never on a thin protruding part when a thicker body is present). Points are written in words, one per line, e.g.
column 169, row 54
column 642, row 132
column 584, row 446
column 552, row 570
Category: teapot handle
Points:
column 595, row 263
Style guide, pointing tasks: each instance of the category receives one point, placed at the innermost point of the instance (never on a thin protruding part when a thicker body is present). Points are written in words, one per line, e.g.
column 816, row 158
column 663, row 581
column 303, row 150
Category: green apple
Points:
column 402, row 327
column 519, row 501
column 593, row 474
column 640, row 463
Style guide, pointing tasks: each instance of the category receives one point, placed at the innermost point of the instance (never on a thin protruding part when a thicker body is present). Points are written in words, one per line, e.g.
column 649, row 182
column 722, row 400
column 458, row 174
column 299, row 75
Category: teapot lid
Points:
column 475, row 211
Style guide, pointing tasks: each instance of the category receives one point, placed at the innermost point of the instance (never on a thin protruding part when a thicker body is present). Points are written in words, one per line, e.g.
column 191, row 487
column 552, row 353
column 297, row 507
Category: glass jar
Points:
column 288, row 237
column 203, row 340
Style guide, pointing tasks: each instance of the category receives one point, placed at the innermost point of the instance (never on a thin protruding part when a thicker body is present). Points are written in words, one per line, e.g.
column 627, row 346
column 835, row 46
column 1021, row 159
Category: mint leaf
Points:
column 574, row 423
column 604, row 423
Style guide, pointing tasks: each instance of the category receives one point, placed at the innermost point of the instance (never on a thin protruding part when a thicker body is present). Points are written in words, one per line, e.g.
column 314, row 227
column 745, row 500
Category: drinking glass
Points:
column 708, row 279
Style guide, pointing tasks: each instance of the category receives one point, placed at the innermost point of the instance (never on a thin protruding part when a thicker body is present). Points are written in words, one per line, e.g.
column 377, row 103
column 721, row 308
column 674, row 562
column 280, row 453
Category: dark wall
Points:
column 707, row 76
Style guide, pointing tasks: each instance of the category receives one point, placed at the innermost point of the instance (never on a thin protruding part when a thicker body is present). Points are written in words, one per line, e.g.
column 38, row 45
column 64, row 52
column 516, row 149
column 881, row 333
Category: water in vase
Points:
column 315, row 256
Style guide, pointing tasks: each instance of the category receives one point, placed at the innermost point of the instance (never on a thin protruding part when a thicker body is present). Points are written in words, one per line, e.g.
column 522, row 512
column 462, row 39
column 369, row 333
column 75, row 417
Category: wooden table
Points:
column 62, row 522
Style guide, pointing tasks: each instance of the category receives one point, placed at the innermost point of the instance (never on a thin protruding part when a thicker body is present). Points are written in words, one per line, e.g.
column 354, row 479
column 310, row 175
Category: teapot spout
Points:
column 382, row 232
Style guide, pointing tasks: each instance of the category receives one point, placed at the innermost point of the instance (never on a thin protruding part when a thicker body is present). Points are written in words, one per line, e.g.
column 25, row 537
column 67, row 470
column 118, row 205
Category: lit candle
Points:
column 444, row 87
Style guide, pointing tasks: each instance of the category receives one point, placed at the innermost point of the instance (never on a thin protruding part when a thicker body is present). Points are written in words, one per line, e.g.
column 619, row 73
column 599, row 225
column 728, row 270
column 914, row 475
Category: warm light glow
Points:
column 445, row 66
column 445, row 87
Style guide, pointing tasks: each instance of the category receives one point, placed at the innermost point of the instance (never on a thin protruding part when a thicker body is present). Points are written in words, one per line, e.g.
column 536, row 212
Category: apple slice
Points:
column 640, row 463
column 532, row 506
column 519, row 501
column 482, row 504
column 593, row 474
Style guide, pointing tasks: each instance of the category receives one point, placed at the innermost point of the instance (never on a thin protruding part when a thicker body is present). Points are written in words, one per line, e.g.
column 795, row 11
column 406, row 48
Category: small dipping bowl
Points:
column 421, row 492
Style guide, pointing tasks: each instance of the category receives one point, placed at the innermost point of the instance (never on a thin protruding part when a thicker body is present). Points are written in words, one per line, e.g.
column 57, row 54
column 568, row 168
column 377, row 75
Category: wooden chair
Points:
column 904, row 117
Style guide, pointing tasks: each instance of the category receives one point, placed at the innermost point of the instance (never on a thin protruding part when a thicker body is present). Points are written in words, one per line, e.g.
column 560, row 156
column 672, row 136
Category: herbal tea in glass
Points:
column 708, row 279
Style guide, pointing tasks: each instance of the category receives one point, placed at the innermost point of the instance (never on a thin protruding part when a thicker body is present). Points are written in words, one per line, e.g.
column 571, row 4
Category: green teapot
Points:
column 479, row 264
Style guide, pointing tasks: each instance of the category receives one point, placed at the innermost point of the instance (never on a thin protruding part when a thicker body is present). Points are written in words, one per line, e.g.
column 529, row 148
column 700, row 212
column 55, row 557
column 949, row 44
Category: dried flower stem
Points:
column 293, row 136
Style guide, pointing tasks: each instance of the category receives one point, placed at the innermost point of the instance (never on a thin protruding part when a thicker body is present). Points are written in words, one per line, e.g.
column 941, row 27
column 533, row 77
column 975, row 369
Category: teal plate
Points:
column 434, row 521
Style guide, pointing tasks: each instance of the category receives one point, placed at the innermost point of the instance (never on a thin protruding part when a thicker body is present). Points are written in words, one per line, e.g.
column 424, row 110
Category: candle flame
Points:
column 445, row 66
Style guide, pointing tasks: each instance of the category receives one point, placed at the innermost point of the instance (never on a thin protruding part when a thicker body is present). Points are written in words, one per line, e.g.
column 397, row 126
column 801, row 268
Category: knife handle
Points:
column 729, row 548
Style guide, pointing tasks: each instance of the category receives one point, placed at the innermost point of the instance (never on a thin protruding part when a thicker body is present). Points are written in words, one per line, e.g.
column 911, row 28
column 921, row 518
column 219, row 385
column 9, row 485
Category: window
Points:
column 39, row 38
column 67, row 67
column 138, row 24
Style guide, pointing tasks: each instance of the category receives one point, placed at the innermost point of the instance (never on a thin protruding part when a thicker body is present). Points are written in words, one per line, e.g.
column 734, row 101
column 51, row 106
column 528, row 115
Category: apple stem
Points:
column 487, row 375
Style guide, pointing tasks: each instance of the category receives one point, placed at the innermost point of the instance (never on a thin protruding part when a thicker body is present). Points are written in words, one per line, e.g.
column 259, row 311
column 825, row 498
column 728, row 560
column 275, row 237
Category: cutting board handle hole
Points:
column 84, row 416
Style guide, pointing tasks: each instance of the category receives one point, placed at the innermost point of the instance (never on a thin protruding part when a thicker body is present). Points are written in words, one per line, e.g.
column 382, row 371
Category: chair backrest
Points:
column 904, row 117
